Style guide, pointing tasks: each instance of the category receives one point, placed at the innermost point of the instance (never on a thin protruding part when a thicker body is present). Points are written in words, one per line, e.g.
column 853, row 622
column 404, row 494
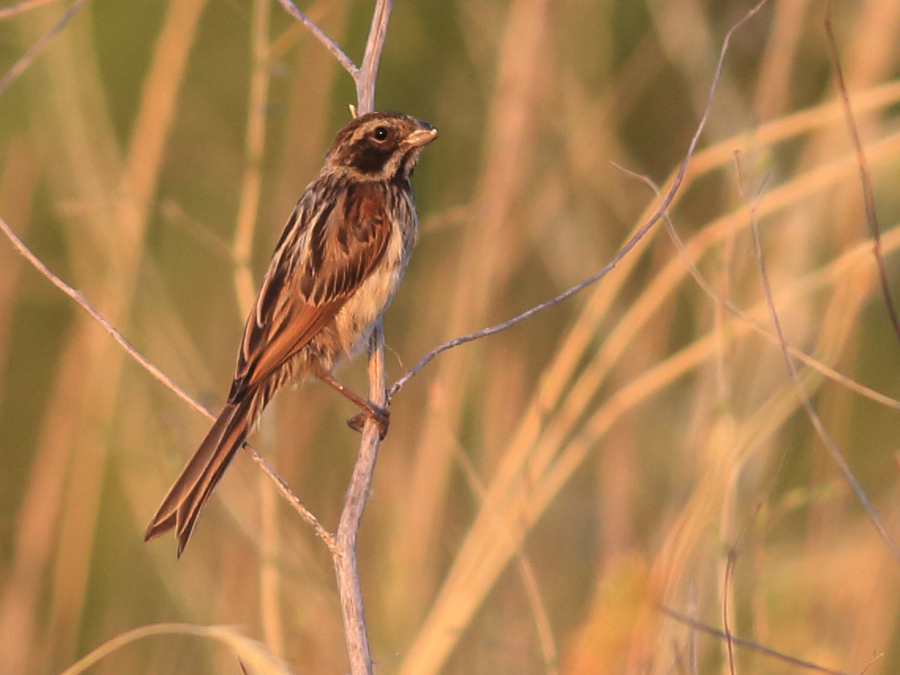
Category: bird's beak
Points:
column 421, row 136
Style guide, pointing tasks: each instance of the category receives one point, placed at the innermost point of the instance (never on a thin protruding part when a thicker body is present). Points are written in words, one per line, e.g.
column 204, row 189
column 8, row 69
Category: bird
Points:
column 335, row 269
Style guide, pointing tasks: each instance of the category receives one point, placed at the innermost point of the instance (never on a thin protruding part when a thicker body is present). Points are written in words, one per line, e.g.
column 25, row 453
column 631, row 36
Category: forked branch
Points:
column 363, row 77
column 344, row 549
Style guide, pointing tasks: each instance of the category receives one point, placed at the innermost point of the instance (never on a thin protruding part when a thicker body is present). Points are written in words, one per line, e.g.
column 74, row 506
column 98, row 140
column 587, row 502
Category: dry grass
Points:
column 542, row 492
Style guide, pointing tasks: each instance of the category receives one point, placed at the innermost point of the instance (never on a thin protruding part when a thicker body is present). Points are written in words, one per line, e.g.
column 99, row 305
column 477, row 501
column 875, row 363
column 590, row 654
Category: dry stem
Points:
column 32, row 53
column 748, row 644
column 343, row 548
column 865, row 176
column 630, row 244
column 814, row 418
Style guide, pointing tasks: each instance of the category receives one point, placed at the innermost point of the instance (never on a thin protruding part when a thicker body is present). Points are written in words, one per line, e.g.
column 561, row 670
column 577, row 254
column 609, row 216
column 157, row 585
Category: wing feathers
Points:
column 342, row 241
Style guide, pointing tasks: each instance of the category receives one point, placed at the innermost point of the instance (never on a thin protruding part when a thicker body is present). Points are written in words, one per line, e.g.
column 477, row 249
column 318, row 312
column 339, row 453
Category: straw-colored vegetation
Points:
column 542, row 493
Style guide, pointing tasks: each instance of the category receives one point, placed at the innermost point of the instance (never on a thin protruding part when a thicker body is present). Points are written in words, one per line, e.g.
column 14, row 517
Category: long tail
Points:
column 187, row 497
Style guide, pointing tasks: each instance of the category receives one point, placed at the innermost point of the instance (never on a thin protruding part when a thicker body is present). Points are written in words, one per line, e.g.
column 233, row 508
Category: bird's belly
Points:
column 355, row 320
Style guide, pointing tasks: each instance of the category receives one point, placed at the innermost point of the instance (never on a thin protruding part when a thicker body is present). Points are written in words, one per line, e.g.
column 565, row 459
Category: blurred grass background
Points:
column 541, row 491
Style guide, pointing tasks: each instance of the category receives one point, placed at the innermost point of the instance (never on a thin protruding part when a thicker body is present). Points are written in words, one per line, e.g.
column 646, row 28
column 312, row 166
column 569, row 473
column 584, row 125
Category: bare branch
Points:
column 294, row 500
column 100, row 319
column 864, row 174
column 748, row 644
column 738, row 313
column 871, row 663
column 829, row 443
column 345, row 564
column 29, row 56
column 364, row 78
column 365, row 82
column 731, row 559
column 630, row 244
column 320, row 35
column 161, row 377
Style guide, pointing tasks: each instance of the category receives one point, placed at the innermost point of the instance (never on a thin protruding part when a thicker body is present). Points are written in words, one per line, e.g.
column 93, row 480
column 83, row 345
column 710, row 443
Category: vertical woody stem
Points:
column 344, row 549
column 345, row 563
column 368, row 73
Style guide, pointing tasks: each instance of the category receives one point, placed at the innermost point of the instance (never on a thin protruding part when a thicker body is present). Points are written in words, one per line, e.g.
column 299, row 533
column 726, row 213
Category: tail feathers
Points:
column 187, row 497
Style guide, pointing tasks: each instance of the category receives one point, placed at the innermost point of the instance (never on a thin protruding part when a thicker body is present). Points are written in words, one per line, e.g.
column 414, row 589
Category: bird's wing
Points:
column 333, row 241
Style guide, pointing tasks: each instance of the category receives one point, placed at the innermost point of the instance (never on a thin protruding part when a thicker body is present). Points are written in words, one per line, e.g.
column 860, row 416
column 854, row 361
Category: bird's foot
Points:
column 382, row 417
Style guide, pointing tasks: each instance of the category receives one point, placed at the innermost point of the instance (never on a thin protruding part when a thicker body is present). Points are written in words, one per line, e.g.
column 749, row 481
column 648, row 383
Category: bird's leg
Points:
column 382, row 416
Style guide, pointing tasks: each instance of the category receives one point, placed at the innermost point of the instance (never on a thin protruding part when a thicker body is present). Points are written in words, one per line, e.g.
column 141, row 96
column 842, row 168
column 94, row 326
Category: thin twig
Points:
column 820, row 367
column 100, row 319
column 749, row 644
column 365, row 79
column 817, row 423
column 29, row 56
column 8, row 12
column 288, row 38
column 864, row 174
column 630, row 244
column 320, row 35
column 161, row 377
column 788, row 352
column 730, row 561
column 288, row 494
column 871, row 663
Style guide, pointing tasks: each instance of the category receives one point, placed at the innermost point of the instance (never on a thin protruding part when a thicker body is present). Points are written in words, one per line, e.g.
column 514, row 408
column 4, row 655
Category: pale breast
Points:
column 357, row 317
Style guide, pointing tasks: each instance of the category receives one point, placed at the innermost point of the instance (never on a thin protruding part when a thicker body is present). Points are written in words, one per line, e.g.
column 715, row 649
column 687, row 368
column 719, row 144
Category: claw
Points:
column 381, row 416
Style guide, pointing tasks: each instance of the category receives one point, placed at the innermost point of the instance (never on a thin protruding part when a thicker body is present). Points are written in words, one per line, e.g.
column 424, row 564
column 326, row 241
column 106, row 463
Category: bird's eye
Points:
column 380, row 133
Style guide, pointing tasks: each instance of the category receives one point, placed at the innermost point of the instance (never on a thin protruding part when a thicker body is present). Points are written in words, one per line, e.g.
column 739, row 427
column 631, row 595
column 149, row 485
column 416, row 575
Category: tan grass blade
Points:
column 252, row 654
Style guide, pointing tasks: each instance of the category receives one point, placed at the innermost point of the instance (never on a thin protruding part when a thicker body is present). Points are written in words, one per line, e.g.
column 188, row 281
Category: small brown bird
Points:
column 335, row 270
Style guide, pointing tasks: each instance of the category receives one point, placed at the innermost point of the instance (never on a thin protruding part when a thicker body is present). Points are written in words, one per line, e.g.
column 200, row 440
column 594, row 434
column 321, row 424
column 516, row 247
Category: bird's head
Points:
column 379, row 146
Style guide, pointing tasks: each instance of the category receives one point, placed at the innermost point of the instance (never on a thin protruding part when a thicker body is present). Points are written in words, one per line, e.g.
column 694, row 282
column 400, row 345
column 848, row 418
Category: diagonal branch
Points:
column 320, row 35
column 748, row 644
column 29, row 56
column 630, row 244
column 814, row 418
column 865, row 176
column 161, row 376
column 364, row 78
